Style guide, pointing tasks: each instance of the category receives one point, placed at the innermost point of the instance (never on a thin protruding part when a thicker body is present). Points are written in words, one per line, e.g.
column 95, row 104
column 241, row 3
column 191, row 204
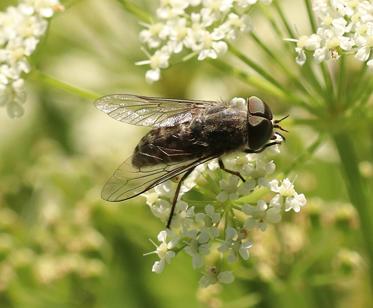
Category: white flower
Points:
column 213, row 276
column 235, row 244
column 44, row 8
column 228, row 189
column 164, row 251
column 285, row 189
column 207, row 224
column 197, row 250
column 263, row 214
column 209, row 46
column 295, row 202
column 153, row 35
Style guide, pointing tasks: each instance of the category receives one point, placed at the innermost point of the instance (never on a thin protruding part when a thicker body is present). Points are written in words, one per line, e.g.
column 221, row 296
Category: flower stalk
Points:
column 50, row 81
column 357, row 192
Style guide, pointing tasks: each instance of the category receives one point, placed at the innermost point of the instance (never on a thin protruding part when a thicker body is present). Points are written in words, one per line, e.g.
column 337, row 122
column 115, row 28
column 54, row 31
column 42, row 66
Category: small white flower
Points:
column 213, row 276
column 285, row 189
column 159, row 60
column 228, row 189
column 197, row 250
column 153, row 35
column 263, row 214
column 235, row 244
column 164, row 251
column 295, row 202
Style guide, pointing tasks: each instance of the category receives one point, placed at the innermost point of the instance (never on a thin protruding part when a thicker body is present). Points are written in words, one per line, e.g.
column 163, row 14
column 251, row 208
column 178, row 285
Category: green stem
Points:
column 283, row 19
column 311, row 17
column 357, row 192
column 329, row 87
column 357, row 84
column 136, row 11
column 305, row 69
column 256, row 67
column 363, row 99
column 256, row 82
column 55, row 83
column 277, row 60
column 285, row 92
column 307, row 154
column 341, row 81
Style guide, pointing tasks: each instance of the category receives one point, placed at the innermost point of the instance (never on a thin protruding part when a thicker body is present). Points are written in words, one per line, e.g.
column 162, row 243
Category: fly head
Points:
column 261, row 126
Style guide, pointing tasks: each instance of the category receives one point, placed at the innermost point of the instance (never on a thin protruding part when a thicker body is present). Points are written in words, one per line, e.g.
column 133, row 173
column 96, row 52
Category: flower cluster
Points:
column 221, row 219
column 345, row 27
column 199, row 27
column 62, row 243
column 59, row 240
column 21, row 27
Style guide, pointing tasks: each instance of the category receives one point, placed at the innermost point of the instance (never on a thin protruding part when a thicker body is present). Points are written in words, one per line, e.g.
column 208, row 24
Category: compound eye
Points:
column 259, row 131
column 259, row 108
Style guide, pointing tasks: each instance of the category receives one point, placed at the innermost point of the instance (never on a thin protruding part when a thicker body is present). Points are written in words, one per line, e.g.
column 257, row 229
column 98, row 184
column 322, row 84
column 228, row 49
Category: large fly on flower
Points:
column 184, row 134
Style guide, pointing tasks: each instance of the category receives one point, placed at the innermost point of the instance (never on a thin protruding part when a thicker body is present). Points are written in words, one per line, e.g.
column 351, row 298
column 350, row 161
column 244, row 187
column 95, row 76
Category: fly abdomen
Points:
column 167, row 144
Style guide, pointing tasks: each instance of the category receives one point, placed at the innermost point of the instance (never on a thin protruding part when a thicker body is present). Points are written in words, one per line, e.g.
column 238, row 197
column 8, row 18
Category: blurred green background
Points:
column 62, row 246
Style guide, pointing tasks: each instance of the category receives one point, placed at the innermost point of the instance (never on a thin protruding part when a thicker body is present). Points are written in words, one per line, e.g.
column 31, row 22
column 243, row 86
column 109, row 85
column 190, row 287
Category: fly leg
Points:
column 186, row 174
column 263, row 148
column 222, row 167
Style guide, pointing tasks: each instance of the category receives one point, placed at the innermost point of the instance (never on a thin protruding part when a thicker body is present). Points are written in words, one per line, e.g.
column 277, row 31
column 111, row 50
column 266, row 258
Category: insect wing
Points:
column 151, row 111
column 128, row 181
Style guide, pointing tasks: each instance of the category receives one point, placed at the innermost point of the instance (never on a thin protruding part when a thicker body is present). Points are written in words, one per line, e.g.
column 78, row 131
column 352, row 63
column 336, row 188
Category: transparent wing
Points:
column 128, row 181
column 151, row 111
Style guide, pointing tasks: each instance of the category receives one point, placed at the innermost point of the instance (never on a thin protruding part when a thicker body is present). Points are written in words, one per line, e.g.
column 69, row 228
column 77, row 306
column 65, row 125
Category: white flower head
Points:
column 197, row 27
column 22, row 27
column 344, row 27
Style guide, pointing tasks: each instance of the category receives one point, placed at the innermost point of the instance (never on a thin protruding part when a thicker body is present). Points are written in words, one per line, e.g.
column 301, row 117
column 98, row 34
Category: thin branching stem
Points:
column 136, row 11
column 361, row 85
column 48, row 80
column 306, row 155
column 263, row 73
column 306, row 69
column 265, row 86
column 257, row 82
column 329, row 92
column 311, row 17
column 280, row 12
column 341, row 81
column 256, row 67
column 290, row 75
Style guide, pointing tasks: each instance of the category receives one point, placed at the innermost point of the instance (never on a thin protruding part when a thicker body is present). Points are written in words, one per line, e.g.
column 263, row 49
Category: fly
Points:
column 184, row 134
